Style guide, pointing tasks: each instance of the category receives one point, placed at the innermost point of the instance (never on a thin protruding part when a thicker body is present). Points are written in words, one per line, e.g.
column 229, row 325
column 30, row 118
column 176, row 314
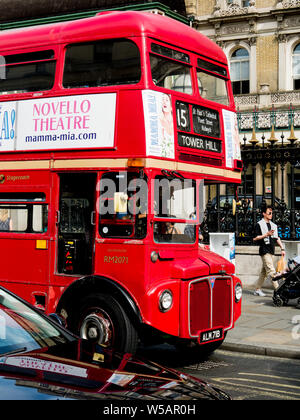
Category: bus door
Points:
column 76, row 223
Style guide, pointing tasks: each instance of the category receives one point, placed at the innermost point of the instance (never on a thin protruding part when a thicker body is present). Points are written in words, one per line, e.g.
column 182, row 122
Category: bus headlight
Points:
column 238, row 292
column 165, row 300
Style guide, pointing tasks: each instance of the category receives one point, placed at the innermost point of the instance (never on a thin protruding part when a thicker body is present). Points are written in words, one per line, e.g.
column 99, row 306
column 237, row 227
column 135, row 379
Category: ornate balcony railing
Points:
column 264, row 120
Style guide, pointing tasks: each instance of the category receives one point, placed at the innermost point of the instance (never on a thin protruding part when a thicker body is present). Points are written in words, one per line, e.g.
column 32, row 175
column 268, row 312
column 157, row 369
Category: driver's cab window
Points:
column 175, row 210
column 123, row 205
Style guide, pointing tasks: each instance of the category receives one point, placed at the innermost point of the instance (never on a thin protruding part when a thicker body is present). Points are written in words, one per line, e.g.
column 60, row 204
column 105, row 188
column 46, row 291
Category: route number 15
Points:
column 183, row 116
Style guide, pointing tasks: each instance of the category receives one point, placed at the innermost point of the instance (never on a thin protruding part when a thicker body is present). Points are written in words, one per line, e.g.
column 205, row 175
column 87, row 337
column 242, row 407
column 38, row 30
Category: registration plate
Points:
column 211, row 335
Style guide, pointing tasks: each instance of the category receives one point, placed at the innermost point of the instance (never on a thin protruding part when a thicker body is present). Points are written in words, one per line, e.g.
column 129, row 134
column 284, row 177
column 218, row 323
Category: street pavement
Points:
column 264, row 329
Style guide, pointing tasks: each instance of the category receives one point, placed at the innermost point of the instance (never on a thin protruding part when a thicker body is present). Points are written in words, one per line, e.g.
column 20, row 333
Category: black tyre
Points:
column 103, row 320
column 277, row 301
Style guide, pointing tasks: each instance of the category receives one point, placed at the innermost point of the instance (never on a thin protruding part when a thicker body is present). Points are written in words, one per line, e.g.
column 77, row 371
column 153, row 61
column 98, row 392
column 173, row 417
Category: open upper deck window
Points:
column 27, row 72
column 212, row 82
column 170, row 53
column 102, row 63
column 171, row 74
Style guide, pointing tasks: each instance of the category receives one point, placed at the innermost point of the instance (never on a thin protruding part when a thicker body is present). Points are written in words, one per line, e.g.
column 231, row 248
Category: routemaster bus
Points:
column 110, row 128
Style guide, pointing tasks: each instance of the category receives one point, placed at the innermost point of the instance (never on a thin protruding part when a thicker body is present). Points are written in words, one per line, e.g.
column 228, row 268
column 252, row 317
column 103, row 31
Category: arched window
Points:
column 296, row 67
column 239, row 69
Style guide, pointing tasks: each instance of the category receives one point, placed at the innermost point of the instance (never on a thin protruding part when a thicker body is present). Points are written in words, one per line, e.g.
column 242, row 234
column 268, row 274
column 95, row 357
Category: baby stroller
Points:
column 290, row 287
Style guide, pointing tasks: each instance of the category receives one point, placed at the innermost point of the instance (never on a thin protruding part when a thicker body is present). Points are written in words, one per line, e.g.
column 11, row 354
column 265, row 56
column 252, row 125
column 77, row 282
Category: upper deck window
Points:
column 102, row 63
column 212, row 83
column 27, row 72
column 206, row 65
column 170, row 53
column 171, row 74
column 175, row 200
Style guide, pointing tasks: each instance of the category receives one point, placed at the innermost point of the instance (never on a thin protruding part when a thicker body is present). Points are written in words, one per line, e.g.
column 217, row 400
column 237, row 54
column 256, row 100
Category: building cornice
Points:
column 61, row 17
column 237, row 13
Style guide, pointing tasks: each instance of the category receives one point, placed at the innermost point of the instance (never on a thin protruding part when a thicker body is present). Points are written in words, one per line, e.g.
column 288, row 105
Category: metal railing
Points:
column 264, row 120
column 240, row 213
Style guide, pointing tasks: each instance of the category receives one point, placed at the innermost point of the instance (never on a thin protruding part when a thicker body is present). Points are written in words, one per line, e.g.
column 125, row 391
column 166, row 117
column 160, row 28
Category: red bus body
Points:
column 41, row 169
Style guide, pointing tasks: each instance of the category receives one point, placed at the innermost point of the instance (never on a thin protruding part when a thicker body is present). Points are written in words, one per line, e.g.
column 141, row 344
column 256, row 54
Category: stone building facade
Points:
column 261, row 39
column 269, row 33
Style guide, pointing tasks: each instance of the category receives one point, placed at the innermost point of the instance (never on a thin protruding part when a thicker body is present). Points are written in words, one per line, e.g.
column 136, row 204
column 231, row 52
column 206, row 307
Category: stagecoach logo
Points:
column 2, row 179
column 212, row 282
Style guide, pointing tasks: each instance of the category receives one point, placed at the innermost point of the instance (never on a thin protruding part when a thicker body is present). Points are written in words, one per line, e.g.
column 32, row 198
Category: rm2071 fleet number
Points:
column 114, row 259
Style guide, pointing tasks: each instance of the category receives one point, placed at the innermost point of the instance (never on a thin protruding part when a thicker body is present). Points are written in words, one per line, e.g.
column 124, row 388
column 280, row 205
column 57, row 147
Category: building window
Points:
column 239, row 68
column 296, row 67
column 242, row 3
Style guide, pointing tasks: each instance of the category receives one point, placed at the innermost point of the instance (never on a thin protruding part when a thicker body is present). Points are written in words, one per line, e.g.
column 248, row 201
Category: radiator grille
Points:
column 210, row 304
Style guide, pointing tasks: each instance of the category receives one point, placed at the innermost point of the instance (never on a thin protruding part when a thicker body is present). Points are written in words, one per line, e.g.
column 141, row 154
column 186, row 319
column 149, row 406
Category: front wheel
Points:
column 278, row 301
column 102, row 320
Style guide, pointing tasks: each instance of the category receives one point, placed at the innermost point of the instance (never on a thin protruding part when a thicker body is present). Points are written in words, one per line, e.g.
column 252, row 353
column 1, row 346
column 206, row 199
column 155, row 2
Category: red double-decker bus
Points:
column 111, row 127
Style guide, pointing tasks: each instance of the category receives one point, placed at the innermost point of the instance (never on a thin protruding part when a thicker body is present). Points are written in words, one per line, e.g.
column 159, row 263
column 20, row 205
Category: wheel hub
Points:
column 96, row 327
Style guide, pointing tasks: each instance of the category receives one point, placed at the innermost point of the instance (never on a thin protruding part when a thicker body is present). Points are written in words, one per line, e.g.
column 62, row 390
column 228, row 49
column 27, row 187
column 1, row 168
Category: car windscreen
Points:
column 24, row 329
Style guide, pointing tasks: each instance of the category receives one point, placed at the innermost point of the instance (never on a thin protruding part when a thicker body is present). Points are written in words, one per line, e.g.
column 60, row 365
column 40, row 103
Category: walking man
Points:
column 266, row 236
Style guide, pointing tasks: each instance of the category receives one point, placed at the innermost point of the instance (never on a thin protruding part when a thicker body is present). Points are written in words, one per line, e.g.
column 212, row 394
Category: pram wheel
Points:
column 277, row 301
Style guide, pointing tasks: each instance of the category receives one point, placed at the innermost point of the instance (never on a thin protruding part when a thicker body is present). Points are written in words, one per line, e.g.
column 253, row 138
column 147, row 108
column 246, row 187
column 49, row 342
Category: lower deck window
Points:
column 171, row 232
column 25, row 218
